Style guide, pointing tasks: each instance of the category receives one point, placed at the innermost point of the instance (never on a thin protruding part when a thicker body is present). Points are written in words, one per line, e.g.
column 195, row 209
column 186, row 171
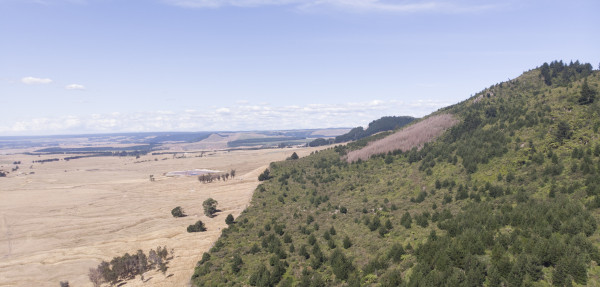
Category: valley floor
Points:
column 58, row 219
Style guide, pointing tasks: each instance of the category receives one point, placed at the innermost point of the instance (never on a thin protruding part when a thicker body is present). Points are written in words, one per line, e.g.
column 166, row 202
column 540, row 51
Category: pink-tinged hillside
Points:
column 415, row 135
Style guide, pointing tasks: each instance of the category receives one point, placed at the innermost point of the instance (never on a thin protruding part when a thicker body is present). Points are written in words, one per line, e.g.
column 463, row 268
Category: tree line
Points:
column 128, row 266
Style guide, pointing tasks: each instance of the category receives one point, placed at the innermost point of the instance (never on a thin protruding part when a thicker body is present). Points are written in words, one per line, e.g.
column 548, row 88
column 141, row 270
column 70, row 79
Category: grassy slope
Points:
column 493, row 174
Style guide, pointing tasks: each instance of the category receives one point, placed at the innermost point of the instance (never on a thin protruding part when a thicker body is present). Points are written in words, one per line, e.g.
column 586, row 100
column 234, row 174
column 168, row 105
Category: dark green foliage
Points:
column 392, row 278
column 210, row 207
column 421, row 197
column 304, row 252
column 205, row 258
column 347, row 243
column 294, row 156
column 375, row 265
column 380, row 125
column 507, row 197
column 587, row 94
column 128, row 266
column 406, row 220
column 320, row 142
column 563, row 131
column 341, row 265
column 265, row 175
column 236, row 263
column 196, row 227
column 312, row 239
column 396, row 252
column 177, row 212
column 261, row 277
column 229, row 219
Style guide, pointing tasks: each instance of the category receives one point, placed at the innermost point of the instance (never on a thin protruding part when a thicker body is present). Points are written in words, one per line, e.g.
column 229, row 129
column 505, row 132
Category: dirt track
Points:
column 68, row 216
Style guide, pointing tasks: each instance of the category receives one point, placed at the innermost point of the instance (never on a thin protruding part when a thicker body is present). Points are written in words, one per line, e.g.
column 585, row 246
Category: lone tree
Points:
column 588, row 95
column 229, row 220
column 210, row 207
column 563, row 131
column 294, row 156
column 178, row 212
column 196, row 227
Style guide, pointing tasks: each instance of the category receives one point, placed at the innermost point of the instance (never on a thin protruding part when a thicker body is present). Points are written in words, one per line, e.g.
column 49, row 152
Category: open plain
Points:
column 58, row 219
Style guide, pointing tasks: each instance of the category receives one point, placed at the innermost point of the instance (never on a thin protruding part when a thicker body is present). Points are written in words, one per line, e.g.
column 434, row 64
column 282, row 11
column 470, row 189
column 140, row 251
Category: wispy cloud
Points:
column 75, row 87
column 242, row 116
column 409, row 6
column 35, row 81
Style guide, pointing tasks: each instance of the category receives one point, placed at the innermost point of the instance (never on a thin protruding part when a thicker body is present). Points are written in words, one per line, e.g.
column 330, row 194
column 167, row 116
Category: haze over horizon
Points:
column 104, row 66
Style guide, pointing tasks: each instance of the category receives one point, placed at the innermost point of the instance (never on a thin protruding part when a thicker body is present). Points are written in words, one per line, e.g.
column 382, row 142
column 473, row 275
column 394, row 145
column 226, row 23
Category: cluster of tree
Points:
column 492, row 204
column 265, row 175
column 587, row 94
column 543, row 234
column 559, row 73
column 294, row 156
column 196, row 227
column 45, row 160
column 128, row 266
column 210, row 177
column 380, row 125
column 210, row 207
column 321, row 142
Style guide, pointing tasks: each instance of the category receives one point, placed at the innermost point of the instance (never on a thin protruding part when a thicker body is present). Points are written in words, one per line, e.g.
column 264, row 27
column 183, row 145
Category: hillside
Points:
column 508, row 196
column 382, row 124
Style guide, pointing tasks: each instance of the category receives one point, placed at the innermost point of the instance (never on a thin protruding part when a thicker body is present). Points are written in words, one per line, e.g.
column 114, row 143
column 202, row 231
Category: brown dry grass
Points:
column 68, row 216
column 415, row 135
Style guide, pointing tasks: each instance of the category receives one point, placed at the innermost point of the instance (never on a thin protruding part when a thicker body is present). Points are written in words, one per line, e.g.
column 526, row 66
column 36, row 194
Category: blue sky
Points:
column 86, row 66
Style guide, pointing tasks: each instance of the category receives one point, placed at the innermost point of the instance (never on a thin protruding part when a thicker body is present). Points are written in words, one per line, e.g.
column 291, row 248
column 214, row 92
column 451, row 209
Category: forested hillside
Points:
column 508, row 196
column 380, row 125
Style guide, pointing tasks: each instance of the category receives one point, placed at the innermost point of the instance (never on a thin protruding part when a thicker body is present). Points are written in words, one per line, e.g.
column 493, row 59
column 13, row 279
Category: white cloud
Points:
column 75, row 87
column 35, row 81
column 234, row 118
column 413, row 6
column 223, row 111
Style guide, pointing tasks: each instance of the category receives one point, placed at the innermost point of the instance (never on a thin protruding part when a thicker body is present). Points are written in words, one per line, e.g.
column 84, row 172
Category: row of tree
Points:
column 128, row 266
column 210, row 177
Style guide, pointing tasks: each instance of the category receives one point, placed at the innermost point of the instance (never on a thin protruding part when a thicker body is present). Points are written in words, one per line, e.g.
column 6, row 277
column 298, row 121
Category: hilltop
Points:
column 505, row 195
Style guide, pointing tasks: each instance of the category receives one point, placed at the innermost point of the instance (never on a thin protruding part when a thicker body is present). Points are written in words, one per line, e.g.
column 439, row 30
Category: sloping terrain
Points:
column 413, row 136
column 60, row 218
column 508, row 196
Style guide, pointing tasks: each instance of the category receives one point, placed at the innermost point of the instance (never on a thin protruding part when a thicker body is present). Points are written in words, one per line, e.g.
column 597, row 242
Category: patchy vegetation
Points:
column 509, row 195
column 413, row 136
column 210, row 207
column 129, row 266
column 196, row 227
column 381, row 125
column 178, row 212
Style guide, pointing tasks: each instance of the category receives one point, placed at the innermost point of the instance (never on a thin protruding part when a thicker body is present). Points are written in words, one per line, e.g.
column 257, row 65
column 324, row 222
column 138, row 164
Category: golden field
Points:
column 58, row 219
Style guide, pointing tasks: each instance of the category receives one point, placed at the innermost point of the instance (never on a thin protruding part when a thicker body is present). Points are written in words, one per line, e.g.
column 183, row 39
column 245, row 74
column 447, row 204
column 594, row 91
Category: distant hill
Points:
column 147, row 141
column 507, row 196
column 376, row 126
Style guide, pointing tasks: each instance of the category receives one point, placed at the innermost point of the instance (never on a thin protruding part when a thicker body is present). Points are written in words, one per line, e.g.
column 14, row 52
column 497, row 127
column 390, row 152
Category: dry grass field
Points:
column 69, row 215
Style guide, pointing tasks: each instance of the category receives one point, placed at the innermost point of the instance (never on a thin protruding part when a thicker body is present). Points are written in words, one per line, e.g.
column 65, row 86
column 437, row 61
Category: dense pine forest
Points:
column 508, row 196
